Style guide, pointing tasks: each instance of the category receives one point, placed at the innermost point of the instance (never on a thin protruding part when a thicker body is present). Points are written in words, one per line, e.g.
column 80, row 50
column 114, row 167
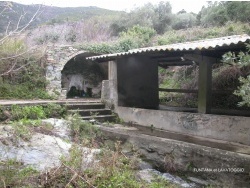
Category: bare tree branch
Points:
column 15, row 56
column 19, row 29
column 12, row 69
column 32, row 19
column 11, row 63
column 7, row 28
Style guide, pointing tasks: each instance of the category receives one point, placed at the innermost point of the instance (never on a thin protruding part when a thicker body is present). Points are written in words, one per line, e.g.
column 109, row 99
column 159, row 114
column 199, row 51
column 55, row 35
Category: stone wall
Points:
column 67, row 66
column 57, row 57
column 213, row 165
column 220, row 127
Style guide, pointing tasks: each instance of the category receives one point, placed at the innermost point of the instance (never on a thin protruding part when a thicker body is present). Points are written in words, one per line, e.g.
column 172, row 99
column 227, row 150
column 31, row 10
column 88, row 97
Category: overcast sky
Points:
column 125, row 5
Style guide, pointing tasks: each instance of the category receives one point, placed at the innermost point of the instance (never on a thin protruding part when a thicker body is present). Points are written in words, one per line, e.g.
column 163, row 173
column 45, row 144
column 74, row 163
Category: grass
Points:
column 17, row 112
column 14, row 174
column 82, row 132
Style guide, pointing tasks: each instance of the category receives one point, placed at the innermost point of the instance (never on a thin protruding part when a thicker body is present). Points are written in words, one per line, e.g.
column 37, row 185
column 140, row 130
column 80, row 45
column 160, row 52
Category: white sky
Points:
column 125, row 5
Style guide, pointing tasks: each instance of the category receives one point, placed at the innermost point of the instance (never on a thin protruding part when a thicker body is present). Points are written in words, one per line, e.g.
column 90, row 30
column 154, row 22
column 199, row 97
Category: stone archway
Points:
column 83, row 78
column 58, row 57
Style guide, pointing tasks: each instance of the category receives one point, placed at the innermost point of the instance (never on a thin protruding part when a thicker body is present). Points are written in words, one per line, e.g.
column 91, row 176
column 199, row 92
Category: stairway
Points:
column 91, row 110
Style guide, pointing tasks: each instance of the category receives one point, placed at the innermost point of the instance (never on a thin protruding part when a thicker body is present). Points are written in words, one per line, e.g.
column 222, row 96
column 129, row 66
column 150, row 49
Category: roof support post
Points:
column 205, row 86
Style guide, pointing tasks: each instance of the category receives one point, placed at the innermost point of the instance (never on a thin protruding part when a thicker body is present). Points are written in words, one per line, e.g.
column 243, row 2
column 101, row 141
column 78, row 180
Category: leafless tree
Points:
column 11, row 51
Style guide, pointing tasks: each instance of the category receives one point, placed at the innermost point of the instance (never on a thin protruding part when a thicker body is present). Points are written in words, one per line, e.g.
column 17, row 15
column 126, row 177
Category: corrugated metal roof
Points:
column 187, row 46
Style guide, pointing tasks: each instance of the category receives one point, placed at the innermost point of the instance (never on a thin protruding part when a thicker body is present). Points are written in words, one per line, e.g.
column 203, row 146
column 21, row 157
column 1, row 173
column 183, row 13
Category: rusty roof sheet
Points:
column 186, row 46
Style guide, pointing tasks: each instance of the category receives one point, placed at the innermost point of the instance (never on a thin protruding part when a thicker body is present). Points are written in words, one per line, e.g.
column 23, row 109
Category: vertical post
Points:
column 113, row 82
column 110, row 70
column 205, row 86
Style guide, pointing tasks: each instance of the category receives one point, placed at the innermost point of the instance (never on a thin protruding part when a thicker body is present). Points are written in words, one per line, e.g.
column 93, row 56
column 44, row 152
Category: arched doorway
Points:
column 82, row 78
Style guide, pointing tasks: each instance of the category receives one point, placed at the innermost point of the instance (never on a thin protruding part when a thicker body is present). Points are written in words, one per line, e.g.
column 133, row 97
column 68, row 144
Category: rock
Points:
column 198, row 181
column 89, row 157
column 177, row 180
column 92, row 121
column 144, row 165
column 42, row 151
column 6, row 131
column 149, row 175
column 60, row 127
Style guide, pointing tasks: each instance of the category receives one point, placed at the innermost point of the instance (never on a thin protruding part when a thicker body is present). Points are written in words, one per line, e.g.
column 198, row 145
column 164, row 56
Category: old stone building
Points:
column 69, row 74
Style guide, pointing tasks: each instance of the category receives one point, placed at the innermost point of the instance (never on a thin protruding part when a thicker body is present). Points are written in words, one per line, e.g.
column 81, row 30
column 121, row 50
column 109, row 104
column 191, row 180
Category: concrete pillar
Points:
column 205, row 86
column 109, row 87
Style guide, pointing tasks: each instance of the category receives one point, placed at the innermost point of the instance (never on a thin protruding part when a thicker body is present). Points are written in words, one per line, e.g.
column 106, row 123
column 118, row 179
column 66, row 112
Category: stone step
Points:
column 85, row 106
column 91, row 112
column 101, row 118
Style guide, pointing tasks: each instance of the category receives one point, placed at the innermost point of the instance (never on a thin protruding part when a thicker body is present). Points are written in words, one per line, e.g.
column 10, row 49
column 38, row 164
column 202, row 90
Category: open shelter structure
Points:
column 134, row 74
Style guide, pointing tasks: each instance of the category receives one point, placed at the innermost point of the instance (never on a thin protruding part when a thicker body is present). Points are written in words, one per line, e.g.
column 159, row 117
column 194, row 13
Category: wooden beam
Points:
column 163, row 66
column 198, row 58
column 179, row 90
column 194, row 91
column 176, row 63
column 205, row 85
column 166, row 58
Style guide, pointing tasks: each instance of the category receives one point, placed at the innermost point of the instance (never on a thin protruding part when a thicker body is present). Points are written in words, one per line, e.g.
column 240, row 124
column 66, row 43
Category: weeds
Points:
column 17, row 112
column 113, row 169
column 94, row 114
column 118, row 120
column 24, row 128
column 82, row 131
column 54, row 110
column 31, row 112
column 14, row 174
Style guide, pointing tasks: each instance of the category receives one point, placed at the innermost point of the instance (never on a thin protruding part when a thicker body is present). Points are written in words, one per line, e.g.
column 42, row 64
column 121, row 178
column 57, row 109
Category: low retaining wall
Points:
column 220, row 127
column 219, row 168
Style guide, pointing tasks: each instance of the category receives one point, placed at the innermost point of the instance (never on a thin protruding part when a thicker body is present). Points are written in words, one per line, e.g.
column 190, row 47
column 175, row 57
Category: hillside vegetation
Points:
column 48, row 14
column 104, row 31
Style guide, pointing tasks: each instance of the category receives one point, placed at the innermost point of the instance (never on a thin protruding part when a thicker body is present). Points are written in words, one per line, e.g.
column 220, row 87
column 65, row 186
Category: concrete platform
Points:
column 231, row 112
column 34, row 102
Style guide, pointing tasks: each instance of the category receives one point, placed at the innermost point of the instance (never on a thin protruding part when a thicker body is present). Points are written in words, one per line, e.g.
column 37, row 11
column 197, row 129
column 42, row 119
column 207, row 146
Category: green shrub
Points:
column 27, row 112
column 36, row 112
column 54, row 110
column 244, row 91
column 141, row 35
column 82, row 131
column 241, row 61
column 22, row 77
column 135, row 37
column 22, row 91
